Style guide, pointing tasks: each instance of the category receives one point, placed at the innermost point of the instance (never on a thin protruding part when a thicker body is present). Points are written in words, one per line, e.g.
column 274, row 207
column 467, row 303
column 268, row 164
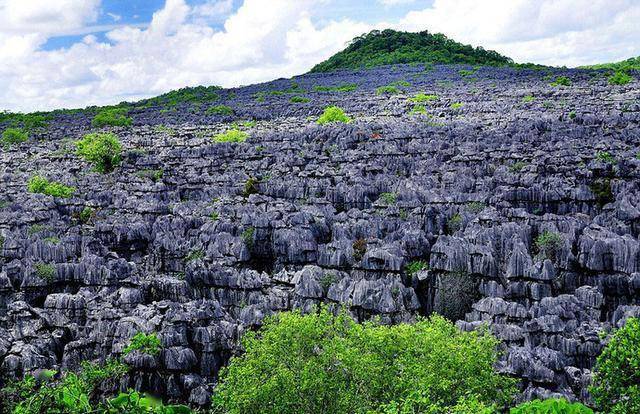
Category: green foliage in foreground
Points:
column 551, row 406
column 11, row 136
column 71, row 393
column 616, row 388
column 333, row 114
column 422, row 98
column 232, row 135
column 41, row 185
column 103, row 150
column 391, row 47
column 321, row 363
column 112, row 117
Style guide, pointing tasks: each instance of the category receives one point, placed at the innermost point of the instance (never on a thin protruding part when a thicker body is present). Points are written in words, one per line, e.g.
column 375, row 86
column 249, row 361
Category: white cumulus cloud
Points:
column 210, row 43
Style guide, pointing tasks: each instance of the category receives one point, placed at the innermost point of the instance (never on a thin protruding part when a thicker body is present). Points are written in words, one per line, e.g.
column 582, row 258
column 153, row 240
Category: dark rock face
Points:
column 194, row 258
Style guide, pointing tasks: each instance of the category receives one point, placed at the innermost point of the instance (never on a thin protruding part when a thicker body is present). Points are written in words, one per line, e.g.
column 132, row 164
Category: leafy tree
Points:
column 326, row 363
column 103, row 150
column 616, row 388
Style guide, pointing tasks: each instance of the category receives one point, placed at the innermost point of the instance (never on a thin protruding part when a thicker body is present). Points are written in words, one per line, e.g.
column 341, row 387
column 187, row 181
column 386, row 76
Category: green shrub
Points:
column 223, row 110
column 454, row 223
column 146, row 343
column 321, row 363
column 561, row 81
column 456, row 105
column 102, row 150
column 416, row 266
column 40, row 185
column 616, row 381
column 388, row 198
column 605, row 156
column 12, row 136
column 299, row 99
column 154, row 175
column 620, row 78
column 133, row 402
column 72, row 393
column 250, row 187
column 572, row 115
column 333, row 114
column 549, row 244
column 423, row 98
column 248, row 236
column 418, row 109
column 387, row 90
column 551, row 406
column 517, row 166
column 476, row 207
column 528, row 98
column 197, row 254
column 112, row 117
column 86, row 215
column 232, row 135
column 45, row 271
column 345, row 87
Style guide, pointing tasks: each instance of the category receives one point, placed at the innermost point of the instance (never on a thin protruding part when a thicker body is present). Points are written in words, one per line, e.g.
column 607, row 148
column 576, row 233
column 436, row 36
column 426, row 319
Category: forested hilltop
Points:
column 392, row 47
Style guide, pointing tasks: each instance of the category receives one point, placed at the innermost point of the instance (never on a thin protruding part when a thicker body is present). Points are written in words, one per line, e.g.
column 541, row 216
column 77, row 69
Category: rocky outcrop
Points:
column 336, row 214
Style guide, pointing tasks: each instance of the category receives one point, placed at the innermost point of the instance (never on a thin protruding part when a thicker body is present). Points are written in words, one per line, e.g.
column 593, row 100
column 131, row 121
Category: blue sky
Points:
column 75, row 53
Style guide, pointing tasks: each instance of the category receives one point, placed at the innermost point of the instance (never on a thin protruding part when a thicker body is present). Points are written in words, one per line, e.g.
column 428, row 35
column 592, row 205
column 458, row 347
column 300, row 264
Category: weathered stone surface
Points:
column 195, row 258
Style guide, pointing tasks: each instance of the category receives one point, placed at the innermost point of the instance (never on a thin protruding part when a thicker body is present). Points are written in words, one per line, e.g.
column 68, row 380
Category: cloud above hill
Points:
column 232, row 43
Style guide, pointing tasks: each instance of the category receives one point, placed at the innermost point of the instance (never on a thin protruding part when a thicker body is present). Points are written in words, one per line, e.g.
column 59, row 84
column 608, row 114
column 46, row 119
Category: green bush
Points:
column 605, row 156
column 549, row 243
column 333, row 114
column 232, row 135
column 12, row 136
column 416, row 266
column 111, row 117
column 345, row 87
column 551, row 406
column 145, row 343
column 299, row 99
column 616, row 381
column 133, row 402
column 321, row 363
column 561, row 81
column 40, row 185
column 456, row 105
column 422, row 98
column 223, row 110
column 103, row 150
column 248, row 236
column 620, row 78
column 528, row 98
column 45, row 271
column 388, row 198
column 454, row 223
column 388, row 90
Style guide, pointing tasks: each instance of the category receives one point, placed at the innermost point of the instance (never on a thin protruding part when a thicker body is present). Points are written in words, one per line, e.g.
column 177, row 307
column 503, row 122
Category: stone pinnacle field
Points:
column 491, row 195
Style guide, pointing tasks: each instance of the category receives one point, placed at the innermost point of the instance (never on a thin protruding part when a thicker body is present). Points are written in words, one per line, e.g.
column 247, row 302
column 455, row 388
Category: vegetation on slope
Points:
column 391, row 47
column 625, row 65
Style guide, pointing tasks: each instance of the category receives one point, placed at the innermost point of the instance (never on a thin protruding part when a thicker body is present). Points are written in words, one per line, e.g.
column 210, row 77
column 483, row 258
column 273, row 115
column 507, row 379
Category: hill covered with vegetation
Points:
column 391, row 47
column 625, row 65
